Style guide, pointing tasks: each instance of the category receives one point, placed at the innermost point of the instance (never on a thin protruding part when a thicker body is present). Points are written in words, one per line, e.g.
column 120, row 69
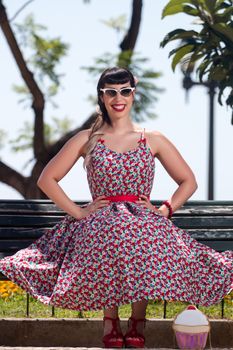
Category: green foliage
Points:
column 15, row 307
column 44, row 55
column 117, row 23
column 24, row 141
column 25, row 95
column 52, row 132
column 58, row 128
column 209, row 51
column 2, row 138
column 147, row 91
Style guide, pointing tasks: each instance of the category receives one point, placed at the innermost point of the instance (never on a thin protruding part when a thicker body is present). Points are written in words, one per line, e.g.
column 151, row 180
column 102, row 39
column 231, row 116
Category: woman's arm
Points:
column 57, row 168
column 177, row 168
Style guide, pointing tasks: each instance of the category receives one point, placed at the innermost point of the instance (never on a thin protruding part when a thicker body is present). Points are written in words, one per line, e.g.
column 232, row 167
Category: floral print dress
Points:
column 120, row 253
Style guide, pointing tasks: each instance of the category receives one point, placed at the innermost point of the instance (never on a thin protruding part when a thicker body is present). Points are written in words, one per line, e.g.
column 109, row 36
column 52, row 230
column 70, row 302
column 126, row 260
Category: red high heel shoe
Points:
column 115, row 338
column 132, row 338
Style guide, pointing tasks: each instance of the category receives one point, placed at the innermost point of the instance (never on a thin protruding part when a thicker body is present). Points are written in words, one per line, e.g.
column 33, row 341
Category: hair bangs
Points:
column 116, row 75
column 119, row 77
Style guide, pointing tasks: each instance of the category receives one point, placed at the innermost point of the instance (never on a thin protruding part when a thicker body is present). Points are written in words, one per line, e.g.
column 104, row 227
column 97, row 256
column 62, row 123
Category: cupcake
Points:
column 191, row 328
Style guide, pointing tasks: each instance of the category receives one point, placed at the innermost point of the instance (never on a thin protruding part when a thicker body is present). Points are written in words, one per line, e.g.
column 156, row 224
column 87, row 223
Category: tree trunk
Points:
column 130, row 38
column 26, row 186
column 37, row 95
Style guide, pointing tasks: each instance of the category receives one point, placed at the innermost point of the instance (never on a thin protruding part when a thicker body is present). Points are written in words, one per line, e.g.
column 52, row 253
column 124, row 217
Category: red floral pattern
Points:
column 121, row 253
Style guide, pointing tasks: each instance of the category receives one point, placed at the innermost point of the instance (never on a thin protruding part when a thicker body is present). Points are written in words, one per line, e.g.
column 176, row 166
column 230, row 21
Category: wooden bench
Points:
column 23, row 221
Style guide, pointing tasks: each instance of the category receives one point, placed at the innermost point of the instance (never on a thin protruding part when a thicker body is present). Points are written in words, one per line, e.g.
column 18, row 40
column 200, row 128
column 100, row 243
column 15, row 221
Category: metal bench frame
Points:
column 23, row 221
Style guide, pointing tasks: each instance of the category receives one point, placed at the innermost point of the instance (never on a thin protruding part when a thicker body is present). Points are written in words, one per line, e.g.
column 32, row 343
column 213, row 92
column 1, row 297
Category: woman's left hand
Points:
column 144, row 201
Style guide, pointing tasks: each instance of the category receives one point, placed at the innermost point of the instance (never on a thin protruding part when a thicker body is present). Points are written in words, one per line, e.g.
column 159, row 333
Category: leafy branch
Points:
column 208, row 51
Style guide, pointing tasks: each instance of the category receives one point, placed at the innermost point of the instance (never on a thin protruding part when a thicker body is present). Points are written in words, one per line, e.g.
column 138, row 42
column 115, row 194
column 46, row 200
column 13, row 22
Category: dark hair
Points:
column 115, row 75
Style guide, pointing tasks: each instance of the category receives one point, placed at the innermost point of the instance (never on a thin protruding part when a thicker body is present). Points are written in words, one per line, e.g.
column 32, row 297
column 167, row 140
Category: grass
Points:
column 13, row 304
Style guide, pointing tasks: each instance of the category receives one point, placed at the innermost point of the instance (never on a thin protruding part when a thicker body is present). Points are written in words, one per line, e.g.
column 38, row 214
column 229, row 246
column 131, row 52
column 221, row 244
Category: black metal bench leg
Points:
column 27, row 306
column 164, row 309
column 222, row 308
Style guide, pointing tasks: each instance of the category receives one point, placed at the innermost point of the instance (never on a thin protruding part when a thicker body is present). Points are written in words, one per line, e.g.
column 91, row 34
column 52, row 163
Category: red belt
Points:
column 123, row 197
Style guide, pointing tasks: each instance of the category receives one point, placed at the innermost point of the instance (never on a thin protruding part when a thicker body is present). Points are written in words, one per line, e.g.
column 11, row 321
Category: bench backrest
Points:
column 23, row 221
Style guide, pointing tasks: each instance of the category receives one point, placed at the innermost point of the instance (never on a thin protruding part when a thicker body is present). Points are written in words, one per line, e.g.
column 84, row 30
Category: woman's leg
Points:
column 113, row 313
column 139, row 311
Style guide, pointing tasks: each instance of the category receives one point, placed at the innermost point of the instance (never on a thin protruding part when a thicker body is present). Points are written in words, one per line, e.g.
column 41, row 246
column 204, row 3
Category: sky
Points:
column 184, row 123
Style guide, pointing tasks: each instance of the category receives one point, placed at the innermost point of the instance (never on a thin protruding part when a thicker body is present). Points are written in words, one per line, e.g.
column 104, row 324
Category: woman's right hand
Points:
column 93, row 206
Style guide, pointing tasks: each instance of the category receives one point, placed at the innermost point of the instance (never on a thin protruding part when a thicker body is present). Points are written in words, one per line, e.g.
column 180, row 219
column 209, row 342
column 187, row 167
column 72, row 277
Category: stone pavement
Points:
column 83, row 334
column 65, row 348
column 78, row 348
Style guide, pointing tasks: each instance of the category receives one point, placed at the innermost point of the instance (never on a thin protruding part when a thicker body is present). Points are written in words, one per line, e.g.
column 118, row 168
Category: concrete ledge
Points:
column 88, row 333
column 65, row 348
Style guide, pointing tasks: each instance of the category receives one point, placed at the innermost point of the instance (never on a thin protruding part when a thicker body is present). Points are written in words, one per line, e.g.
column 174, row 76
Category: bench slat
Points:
column 209, row 234
column 29, row 221
column 47, row 206
column 33, row 232
column 184, row 222
column 214, row 222
column 219, row 245
column 21, row 233
column 14, row 245
column 31, row 206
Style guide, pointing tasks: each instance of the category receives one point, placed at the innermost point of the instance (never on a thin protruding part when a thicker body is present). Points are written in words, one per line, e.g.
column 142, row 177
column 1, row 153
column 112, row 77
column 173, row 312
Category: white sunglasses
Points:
column 125, row 91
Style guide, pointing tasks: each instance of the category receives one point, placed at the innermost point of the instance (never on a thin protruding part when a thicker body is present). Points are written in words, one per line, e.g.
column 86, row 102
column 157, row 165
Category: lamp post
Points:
column 188, row 83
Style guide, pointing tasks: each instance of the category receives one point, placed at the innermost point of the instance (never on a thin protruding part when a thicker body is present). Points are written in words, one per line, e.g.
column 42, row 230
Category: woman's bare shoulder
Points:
column 154, row 135
column 80, row 138
column 78, row 141
column 82, row 135
column 156, row 140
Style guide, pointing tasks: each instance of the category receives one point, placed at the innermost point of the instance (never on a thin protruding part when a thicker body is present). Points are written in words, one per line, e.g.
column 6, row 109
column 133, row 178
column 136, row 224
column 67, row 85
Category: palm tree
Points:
column 208, row 52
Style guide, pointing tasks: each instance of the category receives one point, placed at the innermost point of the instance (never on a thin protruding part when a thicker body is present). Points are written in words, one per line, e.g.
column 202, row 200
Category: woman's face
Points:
column 118, row 103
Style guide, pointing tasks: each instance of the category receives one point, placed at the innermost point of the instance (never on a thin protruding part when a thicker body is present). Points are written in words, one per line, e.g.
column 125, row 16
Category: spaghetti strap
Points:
column 143, row 134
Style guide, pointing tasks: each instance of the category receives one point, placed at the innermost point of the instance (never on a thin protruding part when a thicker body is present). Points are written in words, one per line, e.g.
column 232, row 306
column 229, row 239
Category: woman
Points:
column 119, row 248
